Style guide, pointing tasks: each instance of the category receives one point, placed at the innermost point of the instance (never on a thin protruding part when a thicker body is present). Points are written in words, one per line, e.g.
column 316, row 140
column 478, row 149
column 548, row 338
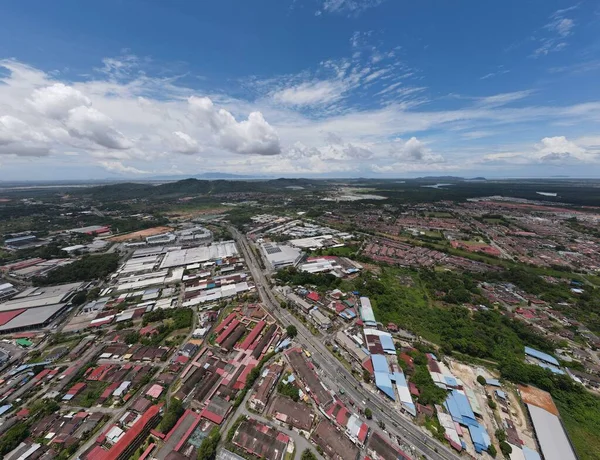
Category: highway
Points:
column 396, row 424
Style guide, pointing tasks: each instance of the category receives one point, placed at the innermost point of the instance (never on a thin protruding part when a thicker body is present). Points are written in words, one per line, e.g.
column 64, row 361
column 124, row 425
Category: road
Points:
column 396, row 424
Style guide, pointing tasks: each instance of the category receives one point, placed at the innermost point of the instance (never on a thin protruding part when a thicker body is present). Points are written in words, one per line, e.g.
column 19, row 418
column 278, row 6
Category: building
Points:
column 269, row 378
column 165, row 238
column 7, row 290
column 333, row 442
column 20, row 241
column 35, row 307
column 261, row 440
column 292, row 413
column 196, row 235
column 281, row 256
column 366, row 312
column 549, row 431
column 321, row 320
column 133, row 437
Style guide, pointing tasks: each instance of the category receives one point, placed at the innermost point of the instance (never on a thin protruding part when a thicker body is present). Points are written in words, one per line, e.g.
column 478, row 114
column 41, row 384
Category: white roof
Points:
column 551, row 435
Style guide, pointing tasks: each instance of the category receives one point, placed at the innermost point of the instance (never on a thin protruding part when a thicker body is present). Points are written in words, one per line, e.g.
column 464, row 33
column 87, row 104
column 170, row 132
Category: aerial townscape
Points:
column 299, row 230
column 297, row 318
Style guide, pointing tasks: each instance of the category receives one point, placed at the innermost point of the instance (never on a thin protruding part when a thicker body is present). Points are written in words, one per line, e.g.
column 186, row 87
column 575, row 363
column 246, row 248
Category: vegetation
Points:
column 368, row 413
column 89, row 267
column 289, row 390
column 171, row 416
column 481, row 380
column 483, row 334
column 208, row 448
column 308, row 455
column 291, row 275
column 13, row 437
column 429, row 393
column 291, row 331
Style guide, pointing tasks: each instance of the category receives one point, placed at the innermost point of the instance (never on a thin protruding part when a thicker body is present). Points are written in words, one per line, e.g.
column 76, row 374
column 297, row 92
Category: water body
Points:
column 437, row 185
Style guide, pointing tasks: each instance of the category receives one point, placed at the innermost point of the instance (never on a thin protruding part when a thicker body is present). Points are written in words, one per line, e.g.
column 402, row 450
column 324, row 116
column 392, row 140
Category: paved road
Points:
column 396, row 424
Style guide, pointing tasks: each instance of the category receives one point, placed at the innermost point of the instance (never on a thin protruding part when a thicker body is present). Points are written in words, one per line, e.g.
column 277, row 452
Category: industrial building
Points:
column 20, row 241
column 215, row 251
column 549, row 432
column 281, row 256
column 366, row 312
column 35, row 307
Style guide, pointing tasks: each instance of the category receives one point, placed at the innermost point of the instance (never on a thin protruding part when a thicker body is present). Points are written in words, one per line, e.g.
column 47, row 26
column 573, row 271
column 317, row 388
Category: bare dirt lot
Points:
column 141, row 234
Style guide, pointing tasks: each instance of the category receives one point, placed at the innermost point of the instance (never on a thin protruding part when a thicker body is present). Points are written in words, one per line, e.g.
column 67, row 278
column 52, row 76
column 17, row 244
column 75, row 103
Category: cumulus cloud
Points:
column 550, row 150
column 18, row 138
column 413, row 150
column 88, row 123
column 251, row 136
column 181, row 142
column 57, row 100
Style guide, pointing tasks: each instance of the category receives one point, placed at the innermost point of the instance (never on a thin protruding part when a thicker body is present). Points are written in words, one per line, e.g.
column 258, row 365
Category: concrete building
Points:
column 281, row 256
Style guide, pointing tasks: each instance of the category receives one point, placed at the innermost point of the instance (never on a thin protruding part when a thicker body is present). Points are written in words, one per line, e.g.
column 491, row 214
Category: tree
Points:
column 368, row 413
column 208, row 448
column 79, row 298
column 481, row 380
column 492, row 404
column 291, row 331
column 366, row 376
column 492, row 450
column 308, row 455
column 505, row 448
column 500, row 435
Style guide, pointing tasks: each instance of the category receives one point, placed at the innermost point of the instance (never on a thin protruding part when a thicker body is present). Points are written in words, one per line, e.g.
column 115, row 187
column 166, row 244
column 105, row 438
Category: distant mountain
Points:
column 210, row 176
column 441, row 178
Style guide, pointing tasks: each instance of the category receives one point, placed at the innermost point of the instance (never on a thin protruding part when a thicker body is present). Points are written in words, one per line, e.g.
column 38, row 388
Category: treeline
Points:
column 88, row 268
column 291, row 275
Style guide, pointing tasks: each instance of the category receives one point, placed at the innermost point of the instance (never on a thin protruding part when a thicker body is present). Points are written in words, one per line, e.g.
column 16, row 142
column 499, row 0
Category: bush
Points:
column 481, row 380
column 368, row 413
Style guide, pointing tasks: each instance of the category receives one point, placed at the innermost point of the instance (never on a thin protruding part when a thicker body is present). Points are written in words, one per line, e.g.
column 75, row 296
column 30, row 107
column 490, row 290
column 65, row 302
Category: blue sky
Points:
column 333, row 88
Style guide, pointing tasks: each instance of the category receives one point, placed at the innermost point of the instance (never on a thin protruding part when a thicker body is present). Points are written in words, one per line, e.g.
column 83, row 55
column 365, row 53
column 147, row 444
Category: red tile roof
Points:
column 250, row 338
column 130, row 435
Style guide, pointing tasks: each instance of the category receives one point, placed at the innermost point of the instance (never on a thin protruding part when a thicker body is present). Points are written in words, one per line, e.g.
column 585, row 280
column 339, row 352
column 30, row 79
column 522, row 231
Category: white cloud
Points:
column 550, row 150
column 119, row 168
column 183, row 143
column 57, row 100
column 504, row 98
column 88, row 123
column 18, row 138
column 556, row 31
column 251, row 136
column 349, row 6
column 311, row 93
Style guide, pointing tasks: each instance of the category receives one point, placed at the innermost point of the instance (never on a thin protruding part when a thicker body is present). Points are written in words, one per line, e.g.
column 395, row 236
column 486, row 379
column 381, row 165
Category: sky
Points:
column 299, row 88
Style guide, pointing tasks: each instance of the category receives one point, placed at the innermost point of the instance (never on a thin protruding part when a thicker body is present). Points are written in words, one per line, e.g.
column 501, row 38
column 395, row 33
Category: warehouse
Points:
column 366, row 312
column 280, row 256
column 202, row 254
column 35, row 307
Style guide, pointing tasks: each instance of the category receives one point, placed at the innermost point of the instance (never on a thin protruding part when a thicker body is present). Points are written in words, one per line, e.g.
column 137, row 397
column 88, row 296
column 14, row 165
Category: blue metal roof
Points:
column 556, row 370
column 493, row 382
column 387, row 343
column 458, row 405
column 384, row 383
column 480, row 437
column 380, row 364
column 541, row 356
column 501, row 394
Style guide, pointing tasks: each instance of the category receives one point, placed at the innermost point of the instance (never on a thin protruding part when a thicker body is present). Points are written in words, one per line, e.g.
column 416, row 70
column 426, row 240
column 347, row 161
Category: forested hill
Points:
column 194, row 186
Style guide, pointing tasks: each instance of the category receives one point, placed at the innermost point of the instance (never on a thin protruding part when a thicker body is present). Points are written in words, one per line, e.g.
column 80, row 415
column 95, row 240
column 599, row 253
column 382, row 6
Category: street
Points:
column 396, row 424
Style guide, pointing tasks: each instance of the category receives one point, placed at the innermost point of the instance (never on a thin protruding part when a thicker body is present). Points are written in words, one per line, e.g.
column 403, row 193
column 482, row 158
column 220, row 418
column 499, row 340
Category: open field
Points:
column 141, row 234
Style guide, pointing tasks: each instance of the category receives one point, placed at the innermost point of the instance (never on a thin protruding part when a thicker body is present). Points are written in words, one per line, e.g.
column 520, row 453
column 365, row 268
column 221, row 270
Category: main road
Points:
column 396, row 424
